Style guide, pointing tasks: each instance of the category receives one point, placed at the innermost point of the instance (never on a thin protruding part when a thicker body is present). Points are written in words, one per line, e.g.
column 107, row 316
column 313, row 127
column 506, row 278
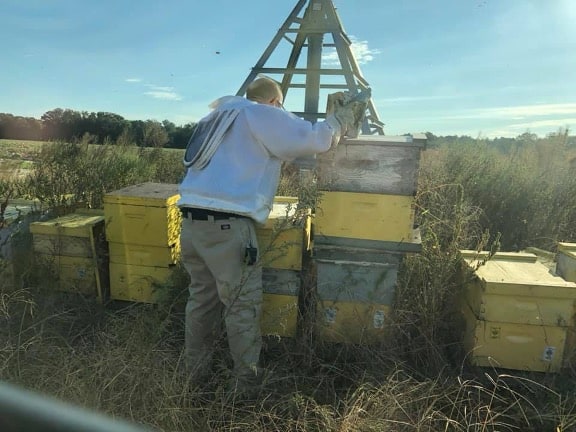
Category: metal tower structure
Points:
column 318, row 30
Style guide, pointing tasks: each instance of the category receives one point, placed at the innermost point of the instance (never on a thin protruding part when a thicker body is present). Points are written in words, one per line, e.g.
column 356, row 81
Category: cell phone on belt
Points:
column 251, row 255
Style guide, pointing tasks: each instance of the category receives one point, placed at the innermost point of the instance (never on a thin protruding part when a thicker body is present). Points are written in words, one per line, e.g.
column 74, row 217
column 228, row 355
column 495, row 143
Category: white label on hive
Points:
column 378, row 319
column 330, row 315
column 548, row 354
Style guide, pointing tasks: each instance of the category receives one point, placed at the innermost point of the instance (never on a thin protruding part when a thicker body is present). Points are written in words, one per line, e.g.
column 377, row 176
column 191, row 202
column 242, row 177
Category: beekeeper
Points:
column 233, row 162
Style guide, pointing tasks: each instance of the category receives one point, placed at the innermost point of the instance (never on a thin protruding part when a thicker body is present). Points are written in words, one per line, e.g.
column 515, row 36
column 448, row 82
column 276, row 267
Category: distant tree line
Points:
column 504, row 144
column 104, row 127
column 95, row 127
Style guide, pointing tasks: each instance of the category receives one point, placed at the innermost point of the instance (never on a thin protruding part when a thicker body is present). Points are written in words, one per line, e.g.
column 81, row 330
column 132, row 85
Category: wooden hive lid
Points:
column 416, row 140
column 72, row 225
column 280, row 212
column 518, row 274
column 145, row 194
column 567, row 249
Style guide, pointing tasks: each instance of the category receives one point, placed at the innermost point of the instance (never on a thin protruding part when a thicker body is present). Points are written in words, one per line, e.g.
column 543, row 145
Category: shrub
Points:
column 73, row 174
column 525, row 193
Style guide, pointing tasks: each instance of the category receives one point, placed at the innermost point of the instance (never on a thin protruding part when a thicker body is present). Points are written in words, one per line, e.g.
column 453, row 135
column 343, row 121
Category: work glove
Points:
column 346, row 112
column 345, row 117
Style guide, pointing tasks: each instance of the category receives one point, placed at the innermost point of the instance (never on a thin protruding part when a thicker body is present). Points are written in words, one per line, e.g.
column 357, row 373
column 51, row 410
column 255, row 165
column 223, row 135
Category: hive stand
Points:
column 309, row 30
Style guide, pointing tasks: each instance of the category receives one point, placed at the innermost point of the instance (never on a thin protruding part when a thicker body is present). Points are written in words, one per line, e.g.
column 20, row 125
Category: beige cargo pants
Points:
column 222, row 286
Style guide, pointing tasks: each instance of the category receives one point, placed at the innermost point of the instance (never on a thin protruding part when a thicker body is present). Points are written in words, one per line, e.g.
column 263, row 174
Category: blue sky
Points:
column 474, row 67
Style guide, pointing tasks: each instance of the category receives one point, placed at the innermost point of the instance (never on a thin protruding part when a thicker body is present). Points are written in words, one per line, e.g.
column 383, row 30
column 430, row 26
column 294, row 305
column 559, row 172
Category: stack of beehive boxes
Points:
column 566, row 261
column 283, row 241
column 143, row 231
column 566, row 269
column 518, row 314
column 70, row 248
column 364, row 224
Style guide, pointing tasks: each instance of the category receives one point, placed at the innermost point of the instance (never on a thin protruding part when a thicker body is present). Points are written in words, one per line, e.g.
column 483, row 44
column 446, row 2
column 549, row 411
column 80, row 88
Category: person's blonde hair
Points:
column 263, row 89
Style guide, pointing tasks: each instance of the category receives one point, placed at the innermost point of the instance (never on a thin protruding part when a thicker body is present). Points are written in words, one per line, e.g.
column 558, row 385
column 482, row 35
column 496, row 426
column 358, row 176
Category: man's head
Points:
column 265, row 91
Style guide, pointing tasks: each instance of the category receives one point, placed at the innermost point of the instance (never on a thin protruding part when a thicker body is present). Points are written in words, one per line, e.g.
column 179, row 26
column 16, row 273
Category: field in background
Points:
column 125, row 360
column 13, row 149
column 16, row 157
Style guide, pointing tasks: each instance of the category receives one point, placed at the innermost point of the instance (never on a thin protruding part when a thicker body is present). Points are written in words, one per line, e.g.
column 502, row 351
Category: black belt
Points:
column 203, row 214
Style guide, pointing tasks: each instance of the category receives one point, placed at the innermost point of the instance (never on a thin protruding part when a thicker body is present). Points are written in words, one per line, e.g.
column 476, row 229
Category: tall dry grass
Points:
column 525, row 191
column 125, row 360
column 127, row 363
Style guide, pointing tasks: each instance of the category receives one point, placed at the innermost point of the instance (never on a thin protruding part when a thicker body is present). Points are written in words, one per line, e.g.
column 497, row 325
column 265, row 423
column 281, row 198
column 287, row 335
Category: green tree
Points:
column 181, row 135
column 154, row 134
column 109, row 126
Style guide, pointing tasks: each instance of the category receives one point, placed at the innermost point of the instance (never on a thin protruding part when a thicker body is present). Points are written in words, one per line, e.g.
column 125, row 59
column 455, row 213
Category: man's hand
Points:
column 343, row 120
column 346, row 112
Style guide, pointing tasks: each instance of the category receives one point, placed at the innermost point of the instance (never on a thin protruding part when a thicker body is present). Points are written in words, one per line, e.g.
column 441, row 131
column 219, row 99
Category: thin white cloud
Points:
column 534, row 110
column 164, row 95
column 541, row 127
column 553, row 123
column 156, row 91
column 160, row 88
column 517, row 112
column 360, row 50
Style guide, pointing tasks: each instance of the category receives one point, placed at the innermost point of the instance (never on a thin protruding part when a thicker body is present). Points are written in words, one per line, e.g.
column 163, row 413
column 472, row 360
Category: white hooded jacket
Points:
column 243, row 172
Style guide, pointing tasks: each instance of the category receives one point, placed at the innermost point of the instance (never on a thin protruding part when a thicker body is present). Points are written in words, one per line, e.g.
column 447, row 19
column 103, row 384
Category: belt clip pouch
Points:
column 251, row 255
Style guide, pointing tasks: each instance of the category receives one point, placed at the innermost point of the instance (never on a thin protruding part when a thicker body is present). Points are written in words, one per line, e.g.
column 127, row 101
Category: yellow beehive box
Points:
column 279, row 315
column 507, row 345
column 47, row 244
column 144, row 214
column 285, row 235
column 516, row 288
column 137, row 283
column 154, row 256
column 280, row 308
column 70, row 235
column 365, row 216
column 72, row 225
column 72, row 274
column 566, row 261
column 351, row 322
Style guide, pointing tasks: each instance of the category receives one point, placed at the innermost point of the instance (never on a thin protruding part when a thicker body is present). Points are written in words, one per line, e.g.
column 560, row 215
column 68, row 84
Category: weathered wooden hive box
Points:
column 143, row 226
column 70, row 248
column 363, row 226
column 15, row 248
column 354, row 299
column 518, row 314
column 368, row 186
column 566, row 261
column 280, row 302
column 285, row 237
column 376, row 164
column 392, row 255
